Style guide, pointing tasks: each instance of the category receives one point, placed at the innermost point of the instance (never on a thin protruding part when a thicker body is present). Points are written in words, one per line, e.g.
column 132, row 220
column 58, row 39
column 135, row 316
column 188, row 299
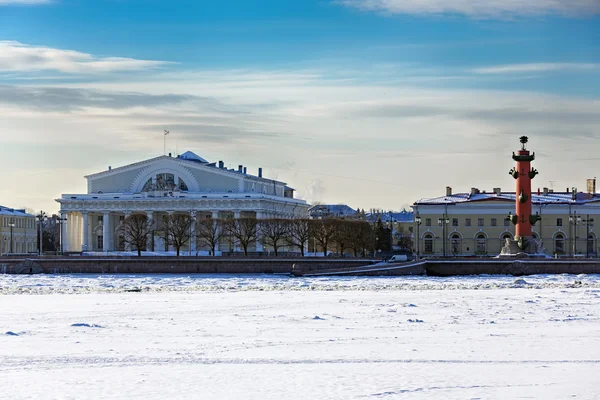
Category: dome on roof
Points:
column 191, row 156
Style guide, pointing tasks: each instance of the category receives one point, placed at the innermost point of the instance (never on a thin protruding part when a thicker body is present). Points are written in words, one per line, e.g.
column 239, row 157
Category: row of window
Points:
column 28, row 223
column 481, row 222
column 481, row 242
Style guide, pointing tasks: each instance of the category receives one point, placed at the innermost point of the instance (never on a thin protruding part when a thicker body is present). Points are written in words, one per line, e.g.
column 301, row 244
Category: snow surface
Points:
column 274, row 337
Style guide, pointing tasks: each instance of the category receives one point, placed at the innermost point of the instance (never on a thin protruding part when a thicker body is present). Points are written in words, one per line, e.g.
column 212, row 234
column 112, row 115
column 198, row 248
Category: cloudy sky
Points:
column 373, row 103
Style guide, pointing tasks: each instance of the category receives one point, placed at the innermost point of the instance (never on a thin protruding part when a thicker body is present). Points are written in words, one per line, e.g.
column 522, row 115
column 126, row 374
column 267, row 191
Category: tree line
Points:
column 342, row 236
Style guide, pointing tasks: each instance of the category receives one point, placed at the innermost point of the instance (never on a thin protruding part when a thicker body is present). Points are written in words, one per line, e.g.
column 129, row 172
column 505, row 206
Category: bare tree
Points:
column 323, row 231
column 243, row 231
column 342, row 234
column 209, row 233
column 136, row 229
column 360, row 237
column 299, row 233
column 275, row 232
column 177, row 230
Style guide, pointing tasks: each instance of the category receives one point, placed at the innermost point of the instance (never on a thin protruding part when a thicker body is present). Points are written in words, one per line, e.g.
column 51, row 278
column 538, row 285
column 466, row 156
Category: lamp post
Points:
column 11, row 224
column 41, row 218
column 418, row 238
column 60, row 221
column 574, row 220
column 588, row 221
column 443, row 222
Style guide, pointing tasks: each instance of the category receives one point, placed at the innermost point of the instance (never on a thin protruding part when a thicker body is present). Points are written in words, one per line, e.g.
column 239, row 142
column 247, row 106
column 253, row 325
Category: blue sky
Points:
column 339, row 98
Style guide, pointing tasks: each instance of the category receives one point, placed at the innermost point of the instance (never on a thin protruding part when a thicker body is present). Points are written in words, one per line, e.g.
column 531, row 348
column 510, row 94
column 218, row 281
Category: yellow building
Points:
column 18, row 231
column 475, row 223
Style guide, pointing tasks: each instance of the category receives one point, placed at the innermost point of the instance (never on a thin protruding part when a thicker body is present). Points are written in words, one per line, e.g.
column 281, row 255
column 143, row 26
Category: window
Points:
column 590, row 244
column 100, row 242
column 479, row 221
column 467, row 221
column 428, row 244
column 455, row 243
column 480, row 244
column 182, row 185
column 454, row 221
column 559, row 244
column 427, row 221
column 494, row 222
column 100, row 218
column 506, row 222
column 559, row 222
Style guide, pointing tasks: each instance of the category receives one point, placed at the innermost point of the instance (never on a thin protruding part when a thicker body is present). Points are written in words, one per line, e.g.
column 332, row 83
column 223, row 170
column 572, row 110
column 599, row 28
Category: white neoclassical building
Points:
column 165, row 185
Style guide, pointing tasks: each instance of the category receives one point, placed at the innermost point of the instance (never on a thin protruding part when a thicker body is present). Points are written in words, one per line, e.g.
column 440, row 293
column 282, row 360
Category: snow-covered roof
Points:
column 402, row 216
column 550, row 198
column 338, row 210
column 191, row 156
column 13, row 212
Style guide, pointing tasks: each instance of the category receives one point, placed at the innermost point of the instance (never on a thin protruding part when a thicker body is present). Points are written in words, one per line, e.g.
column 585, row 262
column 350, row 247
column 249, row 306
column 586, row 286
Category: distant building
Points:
column 165, row 185
column 475, row 223
column 18, row 231
column 331, row 211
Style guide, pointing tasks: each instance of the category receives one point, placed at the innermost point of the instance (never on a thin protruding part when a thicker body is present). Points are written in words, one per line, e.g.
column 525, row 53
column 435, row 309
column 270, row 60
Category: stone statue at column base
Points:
column 523, row 247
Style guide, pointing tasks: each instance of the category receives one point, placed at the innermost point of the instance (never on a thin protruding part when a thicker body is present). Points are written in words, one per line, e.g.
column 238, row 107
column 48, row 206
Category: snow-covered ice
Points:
column 273, row 337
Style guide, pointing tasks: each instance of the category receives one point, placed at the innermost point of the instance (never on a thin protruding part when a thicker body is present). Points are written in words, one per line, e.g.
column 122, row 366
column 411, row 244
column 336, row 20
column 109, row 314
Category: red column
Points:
column 523, row 195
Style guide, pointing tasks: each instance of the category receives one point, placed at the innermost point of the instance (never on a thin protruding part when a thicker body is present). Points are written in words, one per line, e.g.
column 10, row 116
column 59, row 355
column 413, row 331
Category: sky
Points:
column 371, row 103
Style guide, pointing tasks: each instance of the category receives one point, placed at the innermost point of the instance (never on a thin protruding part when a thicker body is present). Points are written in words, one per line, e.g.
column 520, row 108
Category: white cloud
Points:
column 23, row 2
column 348, row 136
column 537, row 67
column 18, row 57
column 479, row 8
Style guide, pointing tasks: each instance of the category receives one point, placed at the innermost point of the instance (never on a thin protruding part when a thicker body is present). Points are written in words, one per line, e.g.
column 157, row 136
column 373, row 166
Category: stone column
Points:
column 192, row 245
column 127, row 245
column 259, row 246
column 215, row 216
column 86, row 236
column 170, row 247
column 106, row 236
column 150, row 238
column 64, row 234
column 236, row 246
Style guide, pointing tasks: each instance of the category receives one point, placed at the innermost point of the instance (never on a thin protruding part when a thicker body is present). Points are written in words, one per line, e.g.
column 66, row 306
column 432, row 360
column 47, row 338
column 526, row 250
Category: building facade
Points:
column 476, row 223
column 164, row 186
column 18, row 231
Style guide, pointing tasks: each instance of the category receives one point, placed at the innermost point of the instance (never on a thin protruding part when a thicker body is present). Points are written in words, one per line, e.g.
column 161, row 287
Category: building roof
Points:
column 392, row 216
column 191, row 156
column 476, row 196
column 338, row 210
column 14, row 212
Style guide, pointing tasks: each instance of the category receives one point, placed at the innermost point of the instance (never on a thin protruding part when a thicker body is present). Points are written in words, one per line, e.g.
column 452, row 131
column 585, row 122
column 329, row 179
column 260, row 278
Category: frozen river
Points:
column 273, row 337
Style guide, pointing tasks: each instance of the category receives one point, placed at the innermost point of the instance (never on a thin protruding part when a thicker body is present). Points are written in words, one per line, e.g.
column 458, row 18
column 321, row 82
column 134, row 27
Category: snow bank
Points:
column 89, row 283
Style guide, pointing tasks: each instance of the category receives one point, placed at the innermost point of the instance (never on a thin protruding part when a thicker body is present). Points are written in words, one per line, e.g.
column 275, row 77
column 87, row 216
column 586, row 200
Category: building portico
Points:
column 162, row 187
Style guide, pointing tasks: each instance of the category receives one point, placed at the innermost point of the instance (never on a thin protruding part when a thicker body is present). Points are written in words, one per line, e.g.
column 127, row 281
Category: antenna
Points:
column 165, row 143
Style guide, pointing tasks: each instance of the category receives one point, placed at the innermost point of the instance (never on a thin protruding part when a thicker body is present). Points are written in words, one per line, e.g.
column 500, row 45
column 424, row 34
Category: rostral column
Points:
column 523, row 219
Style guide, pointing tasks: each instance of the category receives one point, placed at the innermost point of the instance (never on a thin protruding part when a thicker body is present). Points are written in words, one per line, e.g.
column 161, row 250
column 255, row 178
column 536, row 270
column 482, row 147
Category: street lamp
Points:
column 588, row 221
column 443, row 222
column 11, row 224
column 41, row 218
column 418, row 223
column 574, row 220
column 60, row 221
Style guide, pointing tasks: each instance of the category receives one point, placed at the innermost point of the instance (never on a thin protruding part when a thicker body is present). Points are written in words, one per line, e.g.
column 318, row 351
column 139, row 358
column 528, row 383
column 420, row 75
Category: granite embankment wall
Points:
column 173, row 265
column 511, row 267
column 455, row 267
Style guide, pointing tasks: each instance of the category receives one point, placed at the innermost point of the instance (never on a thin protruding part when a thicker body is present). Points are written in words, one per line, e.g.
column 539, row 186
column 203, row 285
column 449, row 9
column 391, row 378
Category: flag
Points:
column 166, row 132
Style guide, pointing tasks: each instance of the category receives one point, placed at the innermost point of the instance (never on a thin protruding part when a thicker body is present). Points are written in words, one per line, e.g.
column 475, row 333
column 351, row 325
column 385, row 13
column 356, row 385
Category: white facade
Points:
column 166, row 185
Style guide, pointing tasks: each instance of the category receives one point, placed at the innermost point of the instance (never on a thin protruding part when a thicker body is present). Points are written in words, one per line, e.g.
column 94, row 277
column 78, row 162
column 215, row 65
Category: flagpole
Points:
column 165, row 142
